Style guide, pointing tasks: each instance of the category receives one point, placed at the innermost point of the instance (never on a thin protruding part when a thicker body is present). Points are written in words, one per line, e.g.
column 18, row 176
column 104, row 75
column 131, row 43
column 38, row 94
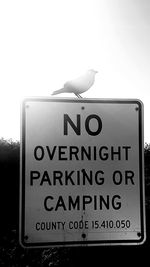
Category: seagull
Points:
column 78, row 85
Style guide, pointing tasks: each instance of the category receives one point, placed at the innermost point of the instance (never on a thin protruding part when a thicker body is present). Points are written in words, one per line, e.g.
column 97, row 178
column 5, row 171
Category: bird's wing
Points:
column 80, row 84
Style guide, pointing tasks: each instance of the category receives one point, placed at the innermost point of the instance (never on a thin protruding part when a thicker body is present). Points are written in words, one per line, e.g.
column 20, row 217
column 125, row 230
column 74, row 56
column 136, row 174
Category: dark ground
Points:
column 13, row 255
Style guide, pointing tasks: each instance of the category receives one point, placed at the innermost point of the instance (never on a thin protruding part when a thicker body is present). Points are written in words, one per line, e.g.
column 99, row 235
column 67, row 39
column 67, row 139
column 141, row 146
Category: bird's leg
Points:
column 78, row 96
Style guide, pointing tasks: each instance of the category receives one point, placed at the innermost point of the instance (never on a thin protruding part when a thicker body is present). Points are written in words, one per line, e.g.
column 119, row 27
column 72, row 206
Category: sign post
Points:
column 82, row 179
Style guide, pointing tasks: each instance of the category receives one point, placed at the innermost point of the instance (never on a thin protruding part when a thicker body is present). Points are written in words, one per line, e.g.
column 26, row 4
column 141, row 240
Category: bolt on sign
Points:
column 81, row 172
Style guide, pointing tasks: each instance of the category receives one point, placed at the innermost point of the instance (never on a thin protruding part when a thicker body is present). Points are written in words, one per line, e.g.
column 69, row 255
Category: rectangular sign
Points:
column 81, row 179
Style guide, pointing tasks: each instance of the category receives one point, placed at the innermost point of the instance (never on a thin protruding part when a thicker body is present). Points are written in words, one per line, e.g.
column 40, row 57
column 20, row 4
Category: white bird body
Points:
column 78, row 85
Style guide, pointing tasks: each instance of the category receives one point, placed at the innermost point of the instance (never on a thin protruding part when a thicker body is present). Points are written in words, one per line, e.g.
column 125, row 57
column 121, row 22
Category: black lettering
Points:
column 98, row 178
column 76, row 128
column 116, row 153
column 86, row 177
column 47, row 208
column 103, row 156
column 36, row 226
column 103, row 201
column 60, row 203
column 116, row 205
column 117, row 177
column 74, row 151
column 129, row 176
column 57, row 176
column 39, row 152
column 87, row 124
column 86, row 200
column 45, row 178
column 126, row 148
column 94, row 153
column 74, row 204
column 69, row 178
column 61, row 152
column 34, row 175
column 78, row 177
column 51, row 154
column 95, row 202
column 86, row 153
column 71, row 225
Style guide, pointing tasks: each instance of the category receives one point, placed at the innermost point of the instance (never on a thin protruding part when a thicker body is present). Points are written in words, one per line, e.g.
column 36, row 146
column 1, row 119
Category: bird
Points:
column 78, row 85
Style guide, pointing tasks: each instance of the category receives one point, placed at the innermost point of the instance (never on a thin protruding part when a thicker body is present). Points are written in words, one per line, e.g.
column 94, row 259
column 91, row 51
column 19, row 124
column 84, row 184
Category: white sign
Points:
column 81, row 172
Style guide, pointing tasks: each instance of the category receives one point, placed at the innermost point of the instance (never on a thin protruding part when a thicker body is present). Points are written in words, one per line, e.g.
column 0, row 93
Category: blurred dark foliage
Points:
column 9, row 183
column 13, row 255
column 147, row 171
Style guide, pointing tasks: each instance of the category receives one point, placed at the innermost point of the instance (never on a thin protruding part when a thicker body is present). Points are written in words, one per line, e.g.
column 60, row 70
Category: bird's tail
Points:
column 60, row 91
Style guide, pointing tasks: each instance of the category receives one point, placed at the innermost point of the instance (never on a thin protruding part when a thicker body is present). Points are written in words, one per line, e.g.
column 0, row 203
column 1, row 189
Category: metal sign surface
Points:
column 81, row 172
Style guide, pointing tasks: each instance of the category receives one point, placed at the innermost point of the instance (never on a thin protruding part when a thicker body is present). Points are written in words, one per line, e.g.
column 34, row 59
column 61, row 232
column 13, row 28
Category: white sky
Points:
column 45, row 43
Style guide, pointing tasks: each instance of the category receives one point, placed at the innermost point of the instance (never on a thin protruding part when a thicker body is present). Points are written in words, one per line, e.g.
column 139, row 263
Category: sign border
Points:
column 22, row 237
